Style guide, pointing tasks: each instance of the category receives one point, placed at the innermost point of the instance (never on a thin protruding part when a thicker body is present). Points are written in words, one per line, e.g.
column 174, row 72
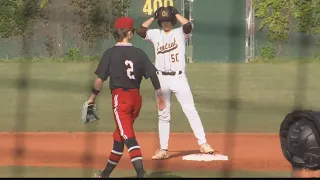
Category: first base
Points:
column 205, row 157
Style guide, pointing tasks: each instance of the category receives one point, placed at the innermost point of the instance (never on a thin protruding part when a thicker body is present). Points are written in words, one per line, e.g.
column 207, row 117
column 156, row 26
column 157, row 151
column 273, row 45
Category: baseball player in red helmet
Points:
column 125, row 65
column 170, row 49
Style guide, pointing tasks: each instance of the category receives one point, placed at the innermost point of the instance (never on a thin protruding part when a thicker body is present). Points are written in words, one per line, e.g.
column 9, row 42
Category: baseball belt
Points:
column 171, row 73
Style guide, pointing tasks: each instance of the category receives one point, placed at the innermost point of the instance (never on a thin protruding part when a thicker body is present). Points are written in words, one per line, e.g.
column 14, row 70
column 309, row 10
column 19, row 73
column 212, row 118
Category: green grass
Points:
column 48, row 172
column 266, row 93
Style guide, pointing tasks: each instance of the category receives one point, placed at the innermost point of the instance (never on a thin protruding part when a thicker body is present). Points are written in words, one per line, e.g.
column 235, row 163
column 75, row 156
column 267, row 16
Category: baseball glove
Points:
column 89, row 113
column 173, row 10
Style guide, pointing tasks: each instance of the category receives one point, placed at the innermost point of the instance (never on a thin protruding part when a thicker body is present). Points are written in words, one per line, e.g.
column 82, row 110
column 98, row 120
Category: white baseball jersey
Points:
column 170, row 49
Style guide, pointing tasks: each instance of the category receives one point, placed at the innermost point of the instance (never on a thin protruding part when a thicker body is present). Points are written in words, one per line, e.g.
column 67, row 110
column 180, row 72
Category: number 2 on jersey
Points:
column 174, row 58
column 129, row 69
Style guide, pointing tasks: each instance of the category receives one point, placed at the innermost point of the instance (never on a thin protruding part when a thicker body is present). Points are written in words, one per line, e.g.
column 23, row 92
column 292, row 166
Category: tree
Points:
column 280, row 17
column 307, row 15
column 17, row 15
column 10, row 18
column 274, row 15
column 96, row 17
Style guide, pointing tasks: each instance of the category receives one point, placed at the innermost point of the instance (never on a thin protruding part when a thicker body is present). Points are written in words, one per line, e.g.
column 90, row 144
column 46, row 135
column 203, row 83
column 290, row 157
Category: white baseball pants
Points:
column 179, row 85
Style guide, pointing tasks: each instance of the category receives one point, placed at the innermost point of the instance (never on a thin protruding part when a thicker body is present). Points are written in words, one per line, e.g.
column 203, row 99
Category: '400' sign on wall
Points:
column 144, row 8
column 150, row 6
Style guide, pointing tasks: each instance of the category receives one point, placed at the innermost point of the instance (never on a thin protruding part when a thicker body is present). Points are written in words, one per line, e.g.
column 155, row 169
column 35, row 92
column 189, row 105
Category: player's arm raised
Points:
column 102, row 73
column 142, row 31
column 186, row 24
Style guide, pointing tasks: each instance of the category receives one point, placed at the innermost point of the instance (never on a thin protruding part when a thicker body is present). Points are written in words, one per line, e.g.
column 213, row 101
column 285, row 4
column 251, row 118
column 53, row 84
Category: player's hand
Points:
column 156, row 14
column 161, row 104
column 91, row 100
column 173, row 10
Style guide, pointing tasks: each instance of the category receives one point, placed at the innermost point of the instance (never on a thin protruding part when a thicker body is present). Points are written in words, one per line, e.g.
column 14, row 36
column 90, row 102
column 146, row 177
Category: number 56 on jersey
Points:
column 150, row 6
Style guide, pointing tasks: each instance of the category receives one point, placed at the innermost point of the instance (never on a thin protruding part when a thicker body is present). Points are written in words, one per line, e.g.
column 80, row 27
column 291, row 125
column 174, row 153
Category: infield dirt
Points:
column 251, row 152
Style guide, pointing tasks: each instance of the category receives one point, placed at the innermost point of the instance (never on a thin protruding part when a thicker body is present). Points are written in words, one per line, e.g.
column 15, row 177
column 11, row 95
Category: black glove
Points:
column 173, row 10
column 156, row 14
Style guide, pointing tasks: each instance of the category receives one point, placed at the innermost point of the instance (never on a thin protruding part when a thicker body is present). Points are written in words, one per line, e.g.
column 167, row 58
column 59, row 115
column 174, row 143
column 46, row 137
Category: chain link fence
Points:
column 219, row 36
column 58, row 34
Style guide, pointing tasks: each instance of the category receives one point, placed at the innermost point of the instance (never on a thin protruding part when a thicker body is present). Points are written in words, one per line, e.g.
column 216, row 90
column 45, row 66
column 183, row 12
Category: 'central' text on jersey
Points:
column 167, row 47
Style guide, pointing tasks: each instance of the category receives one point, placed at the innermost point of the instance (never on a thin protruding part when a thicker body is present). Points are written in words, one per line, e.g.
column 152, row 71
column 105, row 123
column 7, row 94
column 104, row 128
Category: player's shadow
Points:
column 159, row 174
column 162, row 174
column 183, row 153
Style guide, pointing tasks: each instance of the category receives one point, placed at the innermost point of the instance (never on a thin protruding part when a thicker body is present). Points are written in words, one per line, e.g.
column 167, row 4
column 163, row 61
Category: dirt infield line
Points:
column 141, row 133
column 252, row 151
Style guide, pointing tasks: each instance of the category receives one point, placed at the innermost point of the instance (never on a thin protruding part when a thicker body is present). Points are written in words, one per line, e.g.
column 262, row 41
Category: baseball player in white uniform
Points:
column 170, row 48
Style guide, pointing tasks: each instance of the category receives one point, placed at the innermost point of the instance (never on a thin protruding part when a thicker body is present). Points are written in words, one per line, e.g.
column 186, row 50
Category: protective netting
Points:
column 58, row 37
